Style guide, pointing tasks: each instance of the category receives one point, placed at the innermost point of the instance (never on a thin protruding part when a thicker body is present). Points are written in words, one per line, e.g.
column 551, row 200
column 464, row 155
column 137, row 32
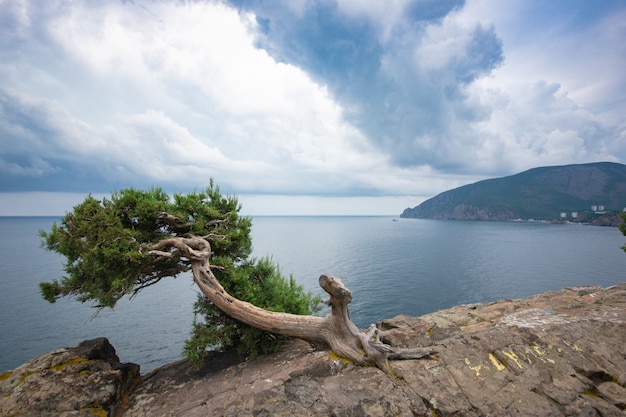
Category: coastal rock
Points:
column 86, row 380
column 608, row 220
column 561, row 353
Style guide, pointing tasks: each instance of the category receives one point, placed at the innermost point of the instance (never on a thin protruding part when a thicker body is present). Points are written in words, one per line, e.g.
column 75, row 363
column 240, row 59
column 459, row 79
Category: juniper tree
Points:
column 116, row 247
column 107, row 247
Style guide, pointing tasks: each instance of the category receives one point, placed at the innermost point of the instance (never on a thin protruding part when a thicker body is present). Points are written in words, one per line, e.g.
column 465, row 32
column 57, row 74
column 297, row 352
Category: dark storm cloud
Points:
column 395, row 98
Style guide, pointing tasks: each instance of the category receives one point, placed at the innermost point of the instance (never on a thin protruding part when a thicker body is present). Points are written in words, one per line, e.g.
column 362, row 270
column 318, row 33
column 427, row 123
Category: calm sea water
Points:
column 392, row 267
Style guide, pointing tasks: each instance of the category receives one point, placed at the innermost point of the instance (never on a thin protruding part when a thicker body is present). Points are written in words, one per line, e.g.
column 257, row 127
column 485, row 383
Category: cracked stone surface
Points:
column 561, row 353
column 85, row 380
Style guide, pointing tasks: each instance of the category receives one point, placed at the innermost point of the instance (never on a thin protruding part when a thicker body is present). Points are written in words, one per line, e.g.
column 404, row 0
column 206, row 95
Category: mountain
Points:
column 540, row 193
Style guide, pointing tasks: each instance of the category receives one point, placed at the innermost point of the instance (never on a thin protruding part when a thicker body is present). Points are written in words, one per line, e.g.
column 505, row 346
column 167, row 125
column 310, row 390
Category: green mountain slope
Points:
column 539, row 193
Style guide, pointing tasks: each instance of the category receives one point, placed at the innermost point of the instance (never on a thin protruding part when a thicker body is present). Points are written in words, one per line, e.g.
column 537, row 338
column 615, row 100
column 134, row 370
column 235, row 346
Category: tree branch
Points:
column 336, row 330
column 175, row 222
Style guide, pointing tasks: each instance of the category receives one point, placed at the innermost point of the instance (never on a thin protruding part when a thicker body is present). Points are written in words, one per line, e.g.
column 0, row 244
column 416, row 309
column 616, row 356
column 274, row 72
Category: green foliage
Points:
column 106, row 246
column 103, row 243
column 261, row 283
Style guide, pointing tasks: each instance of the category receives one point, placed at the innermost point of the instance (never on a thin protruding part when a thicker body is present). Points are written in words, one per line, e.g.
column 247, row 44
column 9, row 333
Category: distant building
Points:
column 574, row 214
column 564, row 214
column 597, row 209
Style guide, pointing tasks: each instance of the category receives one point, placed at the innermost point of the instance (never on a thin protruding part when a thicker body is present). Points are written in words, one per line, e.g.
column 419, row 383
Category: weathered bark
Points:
column 335, row 331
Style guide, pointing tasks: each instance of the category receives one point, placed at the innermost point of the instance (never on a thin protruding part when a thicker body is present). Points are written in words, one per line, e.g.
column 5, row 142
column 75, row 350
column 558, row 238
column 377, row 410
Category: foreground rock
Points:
column 556, row 354
column 561, row 353
column 86, row 380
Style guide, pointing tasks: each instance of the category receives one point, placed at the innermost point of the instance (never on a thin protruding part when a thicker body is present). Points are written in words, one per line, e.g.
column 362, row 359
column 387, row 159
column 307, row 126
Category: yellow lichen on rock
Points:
column 476, row 368
column 513, row 357
column 72, row 362
column 336, row 358
column 496, row 362
column 95, row 409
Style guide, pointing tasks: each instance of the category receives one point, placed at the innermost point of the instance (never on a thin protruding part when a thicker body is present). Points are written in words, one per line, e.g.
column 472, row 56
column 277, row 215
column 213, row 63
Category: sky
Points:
column 302, row 107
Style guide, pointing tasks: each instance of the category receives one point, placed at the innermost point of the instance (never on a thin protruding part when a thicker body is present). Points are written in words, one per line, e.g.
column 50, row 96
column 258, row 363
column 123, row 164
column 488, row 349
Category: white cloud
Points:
column 182, row 93
column 584, row 56
column 151, row 144
column 443, row 43
column 541, row 106
column 537, row 124
column 177, row 93
column 31, row 123
column 385, row 16
column 35, row 167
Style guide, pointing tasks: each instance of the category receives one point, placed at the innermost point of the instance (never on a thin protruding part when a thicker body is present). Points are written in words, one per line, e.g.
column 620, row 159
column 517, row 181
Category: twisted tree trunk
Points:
column 335, row 331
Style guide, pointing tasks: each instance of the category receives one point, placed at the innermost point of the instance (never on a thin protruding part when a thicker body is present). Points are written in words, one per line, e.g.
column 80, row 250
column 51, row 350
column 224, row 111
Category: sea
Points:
column 392, row 266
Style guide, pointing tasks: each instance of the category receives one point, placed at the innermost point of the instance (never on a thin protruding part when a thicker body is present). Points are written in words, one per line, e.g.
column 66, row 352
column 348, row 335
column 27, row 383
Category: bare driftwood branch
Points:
column 336, row 331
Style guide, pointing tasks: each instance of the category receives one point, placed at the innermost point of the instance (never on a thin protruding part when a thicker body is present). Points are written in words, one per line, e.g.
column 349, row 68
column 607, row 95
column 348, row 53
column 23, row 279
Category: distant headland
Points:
column 592, row 193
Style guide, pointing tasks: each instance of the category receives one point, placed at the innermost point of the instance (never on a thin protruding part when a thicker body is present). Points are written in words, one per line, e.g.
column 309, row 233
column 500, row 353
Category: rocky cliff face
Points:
column 464, row 212
column 561, row 353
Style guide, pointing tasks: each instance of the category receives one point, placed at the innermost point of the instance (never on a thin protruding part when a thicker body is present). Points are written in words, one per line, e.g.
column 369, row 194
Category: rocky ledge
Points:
column 86, row 380
column 561, row 353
